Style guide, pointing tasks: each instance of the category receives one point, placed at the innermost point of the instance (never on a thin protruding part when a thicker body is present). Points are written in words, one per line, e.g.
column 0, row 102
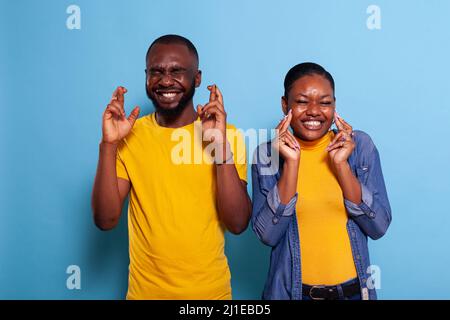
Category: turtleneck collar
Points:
column 320, row 143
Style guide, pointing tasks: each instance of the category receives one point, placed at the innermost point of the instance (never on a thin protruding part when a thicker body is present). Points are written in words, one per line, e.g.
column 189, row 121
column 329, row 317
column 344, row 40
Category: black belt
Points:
column 331, row 292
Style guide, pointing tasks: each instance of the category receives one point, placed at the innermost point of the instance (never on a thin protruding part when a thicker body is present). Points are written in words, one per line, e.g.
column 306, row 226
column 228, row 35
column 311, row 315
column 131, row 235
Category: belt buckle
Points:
column 311, row 290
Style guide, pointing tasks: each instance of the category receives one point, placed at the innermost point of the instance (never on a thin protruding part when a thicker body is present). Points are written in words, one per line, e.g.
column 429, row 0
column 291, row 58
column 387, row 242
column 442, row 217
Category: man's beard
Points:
column 182, row 104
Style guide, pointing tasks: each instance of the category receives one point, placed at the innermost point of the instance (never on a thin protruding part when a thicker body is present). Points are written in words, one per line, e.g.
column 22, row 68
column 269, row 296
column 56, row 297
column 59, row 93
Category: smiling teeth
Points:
column 169, row 94
column 312, row 123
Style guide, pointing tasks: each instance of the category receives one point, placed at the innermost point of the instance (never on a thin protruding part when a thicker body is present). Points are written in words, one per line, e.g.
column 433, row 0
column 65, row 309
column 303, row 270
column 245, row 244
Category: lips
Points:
column 312, row 124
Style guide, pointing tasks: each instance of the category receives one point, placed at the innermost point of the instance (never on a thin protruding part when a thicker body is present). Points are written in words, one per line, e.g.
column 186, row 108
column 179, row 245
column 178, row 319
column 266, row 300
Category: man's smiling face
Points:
column 172, row 76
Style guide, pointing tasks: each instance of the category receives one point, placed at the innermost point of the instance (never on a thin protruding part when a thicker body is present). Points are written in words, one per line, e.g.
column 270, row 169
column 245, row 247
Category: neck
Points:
column 185, row 117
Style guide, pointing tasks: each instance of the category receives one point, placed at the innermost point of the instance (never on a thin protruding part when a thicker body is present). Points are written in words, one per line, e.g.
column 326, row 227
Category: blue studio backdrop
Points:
column 61, row 60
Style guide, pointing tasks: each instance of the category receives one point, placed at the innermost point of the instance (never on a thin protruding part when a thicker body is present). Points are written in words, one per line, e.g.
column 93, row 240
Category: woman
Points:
column 325, row 197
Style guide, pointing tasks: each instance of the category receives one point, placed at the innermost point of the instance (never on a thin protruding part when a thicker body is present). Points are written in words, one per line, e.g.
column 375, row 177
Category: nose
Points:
column 166, row 80
column 313, row 109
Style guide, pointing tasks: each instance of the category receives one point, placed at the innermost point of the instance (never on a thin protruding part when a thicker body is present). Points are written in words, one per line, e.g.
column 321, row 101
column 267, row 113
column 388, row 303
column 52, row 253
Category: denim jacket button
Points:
column 275, row 220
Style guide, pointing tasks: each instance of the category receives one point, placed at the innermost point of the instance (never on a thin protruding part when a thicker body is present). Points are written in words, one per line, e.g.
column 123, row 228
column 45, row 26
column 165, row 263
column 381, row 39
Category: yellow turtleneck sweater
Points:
column 326, row 253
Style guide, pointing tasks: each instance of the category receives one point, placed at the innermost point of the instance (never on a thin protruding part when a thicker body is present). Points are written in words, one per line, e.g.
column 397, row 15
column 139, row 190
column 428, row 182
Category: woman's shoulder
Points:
column 263, row 160
column 363, row 140
column 263, row 150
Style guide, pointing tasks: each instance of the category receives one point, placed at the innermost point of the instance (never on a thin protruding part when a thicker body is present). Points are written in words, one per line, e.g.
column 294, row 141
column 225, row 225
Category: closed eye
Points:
column 154, row 71
column 178, row 70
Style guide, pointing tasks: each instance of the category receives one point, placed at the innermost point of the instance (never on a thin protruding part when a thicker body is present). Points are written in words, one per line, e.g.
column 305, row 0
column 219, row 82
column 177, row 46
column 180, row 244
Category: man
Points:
column 178, row 209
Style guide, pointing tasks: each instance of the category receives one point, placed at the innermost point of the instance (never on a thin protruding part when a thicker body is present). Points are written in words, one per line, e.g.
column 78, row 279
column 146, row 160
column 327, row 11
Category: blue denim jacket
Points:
column 275, row 224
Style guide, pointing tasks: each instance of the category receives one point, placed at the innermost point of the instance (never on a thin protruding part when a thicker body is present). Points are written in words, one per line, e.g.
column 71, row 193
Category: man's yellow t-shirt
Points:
column 176, row 241
column 325, row 248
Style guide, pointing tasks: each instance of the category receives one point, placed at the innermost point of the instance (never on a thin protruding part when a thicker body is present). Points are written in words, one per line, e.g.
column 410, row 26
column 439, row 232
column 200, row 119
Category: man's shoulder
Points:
column 234, row 132
column 141, row 124
column 143, row 121
column 231, row 126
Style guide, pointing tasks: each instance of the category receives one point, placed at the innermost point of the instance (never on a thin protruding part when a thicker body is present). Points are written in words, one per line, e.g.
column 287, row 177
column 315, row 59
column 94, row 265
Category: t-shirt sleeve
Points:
column 237, row 143
column 121, row 170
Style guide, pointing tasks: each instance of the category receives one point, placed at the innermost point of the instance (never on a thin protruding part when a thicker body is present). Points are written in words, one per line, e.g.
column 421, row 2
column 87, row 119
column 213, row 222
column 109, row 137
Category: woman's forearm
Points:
column 350, row 186
column 287, row 185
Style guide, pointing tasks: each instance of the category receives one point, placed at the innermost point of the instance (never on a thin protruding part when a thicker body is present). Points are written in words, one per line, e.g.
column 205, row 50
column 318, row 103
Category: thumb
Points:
column 134, row 115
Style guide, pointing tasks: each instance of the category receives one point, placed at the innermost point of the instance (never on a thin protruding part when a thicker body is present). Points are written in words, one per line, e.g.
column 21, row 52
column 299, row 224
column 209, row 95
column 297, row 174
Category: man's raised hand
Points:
column 213, row 116
column 116, row 125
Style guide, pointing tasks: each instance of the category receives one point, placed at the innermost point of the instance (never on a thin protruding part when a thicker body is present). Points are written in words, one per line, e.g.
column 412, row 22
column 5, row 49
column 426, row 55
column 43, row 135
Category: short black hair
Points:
column 305, row 69
column 174, row 39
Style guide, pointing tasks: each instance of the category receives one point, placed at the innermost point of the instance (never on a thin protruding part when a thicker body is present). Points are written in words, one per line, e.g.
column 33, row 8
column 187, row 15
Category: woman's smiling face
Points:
column 312, row 101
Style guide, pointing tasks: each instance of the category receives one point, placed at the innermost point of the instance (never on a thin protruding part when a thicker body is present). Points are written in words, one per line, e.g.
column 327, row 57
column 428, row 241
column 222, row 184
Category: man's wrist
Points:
column 108, row 146
column 222, row 153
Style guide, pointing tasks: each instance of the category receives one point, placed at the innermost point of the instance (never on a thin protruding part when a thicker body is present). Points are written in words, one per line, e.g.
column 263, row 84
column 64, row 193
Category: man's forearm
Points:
column 105, row 195
column 233, row 202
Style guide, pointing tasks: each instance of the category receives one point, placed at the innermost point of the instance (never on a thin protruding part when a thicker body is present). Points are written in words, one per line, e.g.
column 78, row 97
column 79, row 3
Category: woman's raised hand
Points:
column 284, row 142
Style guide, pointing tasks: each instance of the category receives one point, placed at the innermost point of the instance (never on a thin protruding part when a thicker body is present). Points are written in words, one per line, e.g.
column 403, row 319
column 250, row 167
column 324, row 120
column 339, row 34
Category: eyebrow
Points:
column 321, row 97
column 160, row 67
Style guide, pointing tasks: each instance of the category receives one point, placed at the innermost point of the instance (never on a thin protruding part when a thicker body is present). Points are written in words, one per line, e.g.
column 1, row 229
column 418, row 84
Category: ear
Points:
column 284, row 105
column 198, row 79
